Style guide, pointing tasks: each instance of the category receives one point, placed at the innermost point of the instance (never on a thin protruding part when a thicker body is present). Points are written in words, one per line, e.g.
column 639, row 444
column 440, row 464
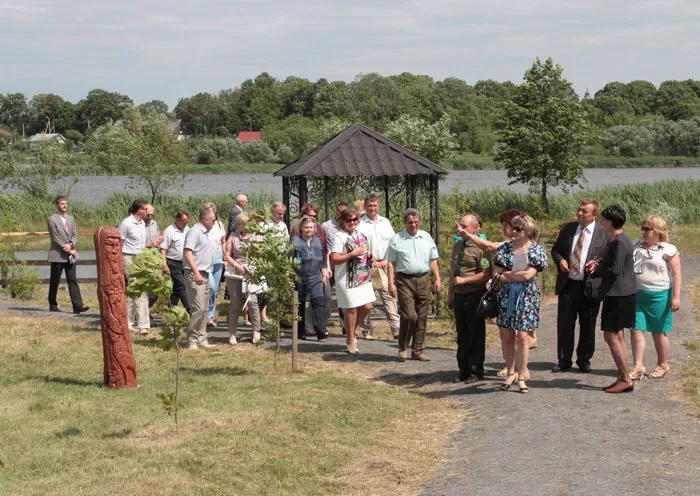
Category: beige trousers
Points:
column 198, row 296
column 136, row 308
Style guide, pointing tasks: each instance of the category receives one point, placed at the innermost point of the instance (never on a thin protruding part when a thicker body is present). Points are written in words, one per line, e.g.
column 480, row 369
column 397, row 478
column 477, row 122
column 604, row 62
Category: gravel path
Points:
column 566, row 437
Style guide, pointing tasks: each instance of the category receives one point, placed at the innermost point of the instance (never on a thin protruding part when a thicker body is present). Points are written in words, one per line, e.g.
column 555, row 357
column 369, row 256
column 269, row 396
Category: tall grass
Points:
column 479, row 162
column 638, row 200
column 23, row 212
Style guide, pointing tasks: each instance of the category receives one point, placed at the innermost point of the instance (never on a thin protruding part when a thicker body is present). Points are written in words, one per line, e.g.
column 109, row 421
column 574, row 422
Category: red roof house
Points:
column 5, row 132
column 246, row 136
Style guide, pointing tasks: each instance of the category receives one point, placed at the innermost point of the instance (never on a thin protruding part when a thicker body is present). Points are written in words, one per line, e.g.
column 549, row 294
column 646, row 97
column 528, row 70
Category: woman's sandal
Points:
column 507, row 384
column 637, row 373
column 659, row 372
column 523, row 387
column 503, row 372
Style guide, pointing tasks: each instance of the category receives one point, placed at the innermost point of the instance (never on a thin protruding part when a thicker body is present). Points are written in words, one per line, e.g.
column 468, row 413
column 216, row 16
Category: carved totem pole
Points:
column 119, row 363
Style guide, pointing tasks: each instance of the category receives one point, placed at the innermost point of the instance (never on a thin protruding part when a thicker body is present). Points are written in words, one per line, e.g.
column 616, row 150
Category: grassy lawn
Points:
column 690, row 373
column 247, row 427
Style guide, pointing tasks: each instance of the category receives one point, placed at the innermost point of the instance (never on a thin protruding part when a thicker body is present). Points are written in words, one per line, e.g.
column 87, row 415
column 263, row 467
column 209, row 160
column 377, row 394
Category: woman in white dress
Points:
column 353, row 284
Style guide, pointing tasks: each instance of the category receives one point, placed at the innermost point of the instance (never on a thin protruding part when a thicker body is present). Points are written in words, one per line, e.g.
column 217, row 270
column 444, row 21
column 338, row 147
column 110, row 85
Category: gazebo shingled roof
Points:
column 359, row 151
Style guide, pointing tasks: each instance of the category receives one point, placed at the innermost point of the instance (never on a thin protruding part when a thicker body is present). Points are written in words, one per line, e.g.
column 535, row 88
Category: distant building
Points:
column 176, row 128
column 246, row 136
column 5, row 132
column 36, row 141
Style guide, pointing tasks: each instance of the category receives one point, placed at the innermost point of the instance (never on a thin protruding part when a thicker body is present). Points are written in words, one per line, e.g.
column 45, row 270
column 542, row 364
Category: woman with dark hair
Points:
column 312, row 277
column 353, row 284
column 618, row 289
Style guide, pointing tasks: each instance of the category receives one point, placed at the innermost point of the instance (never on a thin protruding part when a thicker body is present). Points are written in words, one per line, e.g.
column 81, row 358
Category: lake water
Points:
column 96, row 189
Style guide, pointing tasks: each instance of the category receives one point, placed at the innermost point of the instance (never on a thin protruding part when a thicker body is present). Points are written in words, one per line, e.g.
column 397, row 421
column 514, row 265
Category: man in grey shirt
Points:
column 133, row 230
column 198, row 262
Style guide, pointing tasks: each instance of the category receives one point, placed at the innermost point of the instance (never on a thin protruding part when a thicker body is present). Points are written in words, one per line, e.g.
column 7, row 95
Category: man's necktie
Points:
column 575, row 266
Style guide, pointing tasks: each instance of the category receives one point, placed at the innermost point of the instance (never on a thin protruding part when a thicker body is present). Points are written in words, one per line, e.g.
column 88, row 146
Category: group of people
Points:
column 361, row 257
column 638, row 284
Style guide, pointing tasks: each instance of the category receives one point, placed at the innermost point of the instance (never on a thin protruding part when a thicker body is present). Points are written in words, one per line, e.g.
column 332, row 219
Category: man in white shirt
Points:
column 172, row 249
column 378, row 231
column 153, row 237
column 277, row 211
column 133, row 230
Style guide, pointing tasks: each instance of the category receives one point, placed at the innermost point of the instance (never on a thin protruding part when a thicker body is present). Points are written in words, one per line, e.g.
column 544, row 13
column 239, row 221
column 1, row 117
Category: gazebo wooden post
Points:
column 386, row 197
column 303, row 192
column 326, row 183
column 285, row 197
column 436, row 191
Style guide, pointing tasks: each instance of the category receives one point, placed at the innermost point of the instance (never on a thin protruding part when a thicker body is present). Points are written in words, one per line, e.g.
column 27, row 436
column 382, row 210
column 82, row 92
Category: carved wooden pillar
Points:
column 119, row 363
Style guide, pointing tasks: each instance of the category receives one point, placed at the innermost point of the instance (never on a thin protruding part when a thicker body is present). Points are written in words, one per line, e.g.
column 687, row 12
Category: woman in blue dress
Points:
column 312, row 277
column 516, row 262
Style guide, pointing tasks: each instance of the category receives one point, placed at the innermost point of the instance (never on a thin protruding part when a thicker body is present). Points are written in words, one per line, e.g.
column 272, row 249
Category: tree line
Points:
column 630, row 119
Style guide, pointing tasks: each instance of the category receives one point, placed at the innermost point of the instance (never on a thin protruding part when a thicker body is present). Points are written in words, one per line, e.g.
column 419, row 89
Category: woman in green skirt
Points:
column 657, row 266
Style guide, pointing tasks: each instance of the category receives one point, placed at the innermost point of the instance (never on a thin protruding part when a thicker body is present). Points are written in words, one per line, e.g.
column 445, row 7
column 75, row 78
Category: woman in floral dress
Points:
column 516, row 263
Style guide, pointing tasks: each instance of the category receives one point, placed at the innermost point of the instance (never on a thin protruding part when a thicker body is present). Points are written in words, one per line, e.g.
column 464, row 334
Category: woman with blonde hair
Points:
column 237, row 270
column 657, row 266
column 516, row 262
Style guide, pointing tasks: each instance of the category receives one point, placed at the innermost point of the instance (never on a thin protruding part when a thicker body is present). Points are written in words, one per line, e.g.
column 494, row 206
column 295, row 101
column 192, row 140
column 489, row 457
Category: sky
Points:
column 172, row 49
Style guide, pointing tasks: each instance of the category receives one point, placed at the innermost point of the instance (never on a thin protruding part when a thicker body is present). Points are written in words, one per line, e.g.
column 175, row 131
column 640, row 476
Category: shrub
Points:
column 285, row 154
column 256, row 152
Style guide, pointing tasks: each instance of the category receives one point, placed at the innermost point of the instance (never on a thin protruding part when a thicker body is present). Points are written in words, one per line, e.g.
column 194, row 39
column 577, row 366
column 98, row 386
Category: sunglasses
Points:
column 517, row 228
column 646, row 228
column 354, row 219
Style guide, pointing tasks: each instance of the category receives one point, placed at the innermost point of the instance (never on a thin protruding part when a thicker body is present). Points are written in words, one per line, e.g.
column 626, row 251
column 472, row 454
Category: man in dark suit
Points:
column 236, row 210
column 62, row 255
column 578, row 243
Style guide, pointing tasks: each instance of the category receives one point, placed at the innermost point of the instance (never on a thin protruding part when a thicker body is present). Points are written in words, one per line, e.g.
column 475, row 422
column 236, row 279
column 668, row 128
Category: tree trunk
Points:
column 545, row 203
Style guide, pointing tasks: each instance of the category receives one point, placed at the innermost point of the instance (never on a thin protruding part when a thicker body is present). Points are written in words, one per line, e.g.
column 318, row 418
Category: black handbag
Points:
column 488, row 304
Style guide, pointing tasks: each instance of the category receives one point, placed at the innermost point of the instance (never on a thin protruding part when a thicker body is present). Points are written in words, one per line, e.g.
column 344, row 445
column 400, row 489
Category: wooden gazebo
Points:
column 364, row 158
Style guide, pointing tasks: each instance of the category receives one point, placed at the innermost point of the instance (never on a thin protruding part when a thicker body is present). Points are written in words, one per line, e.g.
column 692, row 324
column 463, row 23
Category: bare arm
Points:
column 674, row 266
column 390, row 275
column 189, row 257
column 435, row 269
column 519, row 276
column 339, row 258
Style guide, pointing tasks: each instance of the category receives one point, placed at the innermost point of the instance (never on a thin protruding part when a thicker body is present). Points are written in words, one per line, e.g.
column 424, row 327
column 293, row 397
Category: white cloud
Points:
column 154, row 49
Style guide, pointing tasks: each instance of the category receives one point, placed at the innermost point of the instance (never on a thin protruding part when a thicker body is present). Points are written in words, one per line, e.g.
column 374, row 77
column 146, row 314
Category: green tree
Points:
column 375, row 99
column 543, row 130
column 432, row 141
column 145, row 148
column 199, row 113
column 44, row 175
column 677, row 100
column 47, row 107
column 14, row 111
column 157, row 106
column 100, row 107
column 333, row 100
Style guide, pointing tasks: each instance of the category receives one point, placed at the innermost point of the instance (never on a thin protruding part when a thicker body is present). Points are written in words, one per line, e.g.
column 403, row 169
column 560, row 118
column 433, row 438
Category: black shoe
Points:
column 561, row 367
column 53, row 308
column 461, row 378
column 478, row 373
column 82, row 309
column 584, row 367
column 302, row 337
column 321, row 335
